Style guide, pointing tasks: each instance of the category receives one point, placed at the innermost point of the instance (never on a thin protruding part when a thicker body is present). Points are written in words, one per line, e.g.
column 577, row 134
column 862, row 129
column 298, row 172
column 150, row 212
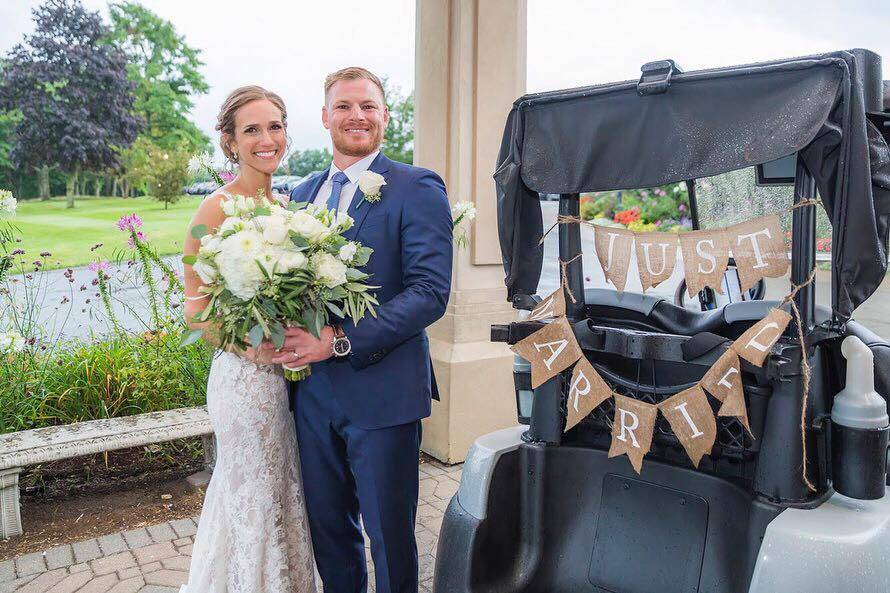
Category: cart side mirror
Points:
column 778, row 172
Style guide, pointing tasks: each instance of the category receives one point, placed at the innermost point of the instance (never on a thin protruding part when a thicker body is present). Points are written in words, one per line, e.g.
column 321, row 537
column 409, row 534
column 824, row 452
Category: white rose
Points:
column 210, row 243
column 329, row 270
column 274, row 229
column 347, row 252
column 309, row 227
column 343, row 222
column 205, row 271
column 231, row 224
column 229, row 208
column 291, row 260
column 370, row 182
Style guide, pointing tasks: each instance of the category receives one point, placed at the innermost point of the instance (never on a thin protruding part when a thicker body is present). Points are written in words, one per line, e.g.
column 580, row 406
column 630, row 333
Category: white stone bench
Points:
column 41, row 445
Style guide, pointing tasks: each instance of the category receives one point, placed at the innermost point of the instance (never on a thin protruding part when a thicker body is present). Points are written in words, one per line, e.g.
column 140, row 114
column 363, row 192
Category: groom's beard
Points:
column 347, row 148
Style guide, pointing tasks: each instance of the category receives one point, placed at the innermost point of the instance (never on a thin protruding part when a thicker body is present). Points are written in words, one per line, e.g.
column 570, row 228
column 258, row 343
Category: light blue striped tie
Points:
column 337, row 182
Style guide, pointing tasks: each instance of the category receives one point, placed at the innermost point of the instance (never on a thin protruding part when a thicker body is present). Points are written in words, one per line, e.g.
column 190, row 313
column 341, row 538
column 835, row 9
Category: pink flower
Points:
column 129, row 222
column 682, row 207
column 227, row 176
column 98, row 266
column 140, row 236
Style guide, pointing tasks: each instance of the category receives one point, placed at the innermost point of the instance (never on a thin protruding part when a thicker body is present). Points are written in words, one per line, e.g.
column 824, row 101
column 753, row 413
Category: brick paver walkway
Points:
column 156, row 559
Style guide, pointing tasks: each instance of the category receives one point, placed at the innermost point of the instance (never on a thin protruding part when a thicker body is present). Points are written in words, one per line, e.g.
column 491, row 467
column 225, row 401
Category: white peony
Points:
column 275, row 229
column 309, row 227
column 290, row 260
column 370, row 182
column 329, row 270
column 347, row 252
column 210, row 243
column 231, row 224
column 343, row 222
column 205, row 271
column 237, row 263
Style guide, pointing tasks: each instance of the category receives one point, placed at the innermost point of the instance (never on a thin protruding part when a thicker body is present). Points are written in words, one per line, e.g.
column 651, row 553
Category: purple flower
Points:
column 682, row 207
column 140, row 236
column 96, row 246
column 227, row 176
column 45, row 254
column 129, row 222
column 98, row 266
column 18, row 252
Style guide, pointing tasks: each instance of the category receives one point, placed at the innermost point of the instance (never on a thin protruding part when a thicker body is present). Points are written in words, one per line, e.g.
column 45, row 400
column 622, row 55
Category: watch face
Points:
column 342, row 346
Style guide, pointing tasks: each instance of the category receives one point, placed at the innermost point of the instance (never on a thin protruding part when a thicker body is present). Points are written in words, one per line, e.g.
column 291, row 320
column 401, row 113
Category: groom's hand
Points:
column 301, row 347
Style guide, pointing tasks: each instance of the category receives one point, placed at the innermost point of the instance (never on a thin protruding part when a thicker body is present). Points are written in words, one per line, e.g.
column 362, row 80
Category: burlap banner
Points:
column 553, row 305
column 759, row 250
column 550, row 350
column 613, row 249
column 632, row 429
column 705, row 255
column 724, row 382
column 754, row 345
column 656, row 257
column 586, row 391
column 692, row 421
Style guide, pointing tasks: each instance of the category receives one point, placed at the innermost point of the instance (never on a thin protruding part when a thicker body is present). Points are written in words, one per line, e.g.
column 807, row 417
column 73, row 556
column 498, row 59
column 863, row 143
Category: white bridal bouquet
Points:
column 269, row 266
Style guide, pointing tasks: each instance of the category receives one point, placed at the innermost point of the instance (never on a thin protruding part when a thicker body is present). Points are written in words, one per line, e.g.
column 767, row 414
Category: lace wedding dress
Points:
column 253, row 535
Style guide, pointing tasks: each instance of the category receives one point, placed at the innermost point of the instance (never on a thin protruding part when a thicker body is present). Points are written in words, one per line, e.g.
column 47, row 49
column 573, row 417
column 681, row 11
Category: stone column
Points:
column 470, row 67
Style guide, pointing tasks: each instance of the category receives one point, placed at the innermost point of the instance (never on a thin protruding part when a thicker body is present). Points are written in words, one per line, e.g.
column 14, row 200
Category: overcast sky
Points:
column 290, row 45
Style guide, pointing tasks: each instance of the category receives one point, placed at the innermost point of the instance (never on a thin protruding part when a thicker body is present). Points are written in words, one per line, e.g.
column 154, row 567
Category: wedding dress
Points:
column 253, row 535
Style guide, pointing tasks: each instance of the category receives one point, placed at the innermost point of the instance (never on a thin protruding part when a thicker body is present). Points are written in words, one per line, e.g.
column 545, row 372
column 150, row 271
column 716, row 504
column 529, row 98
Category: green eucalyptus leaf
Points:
column 278, row 335
column 191, row 337
column 189, row 260
column 256, row 335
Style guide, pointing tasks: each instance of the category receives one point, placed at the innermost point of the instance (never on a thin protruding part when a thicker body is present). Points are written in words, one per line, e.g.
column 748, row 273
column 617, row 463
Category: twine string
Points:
column 564, row 282
column 804, row 369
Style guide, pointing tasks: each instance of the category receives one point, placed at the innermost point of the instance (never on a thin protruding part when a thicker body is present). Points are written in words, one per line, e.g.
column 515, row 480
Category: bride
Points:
column 253, row 535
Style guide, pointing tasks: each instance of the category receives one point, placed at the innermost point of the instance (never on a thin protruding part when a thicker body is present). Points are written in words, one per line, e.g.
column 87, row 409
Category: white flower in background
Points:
column 12, row 342
column 370, row 183
column 200, row 163
column 460, row 212
column 329, row 270
column 463, row 210
column 309, row 227
column 275, row 229
column 347, row 252
column 8, row 203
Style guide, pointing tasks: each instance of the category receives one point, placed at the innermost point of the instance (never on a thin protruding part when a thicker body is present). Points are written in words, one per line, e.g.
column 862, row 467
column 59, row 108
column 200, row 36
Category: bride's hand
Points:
column 258, row 355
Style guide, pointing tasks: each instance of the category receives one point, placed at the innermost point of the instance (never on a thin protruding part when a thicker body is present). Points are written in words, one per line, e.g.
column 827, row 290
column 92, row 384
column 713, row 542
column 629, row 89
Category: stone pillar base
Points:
column 474, row 375
column 10, row 513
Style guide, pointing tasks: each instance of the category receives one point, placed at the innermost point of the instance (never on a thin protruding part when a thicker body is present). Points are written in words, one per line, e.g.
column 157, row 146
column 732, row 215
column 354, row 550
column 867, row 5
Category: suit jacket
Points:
column 386, row 379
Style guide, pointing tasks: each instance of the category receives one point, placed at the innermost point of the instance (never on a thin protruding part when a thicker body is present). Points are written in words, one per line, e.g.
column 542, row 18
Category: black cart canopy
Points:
column 705, row 123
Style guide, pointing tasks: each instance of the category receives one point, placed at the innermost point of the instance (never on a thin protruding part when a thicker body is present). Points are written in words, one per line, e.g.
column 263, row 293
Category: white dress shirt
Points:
column 348, row 191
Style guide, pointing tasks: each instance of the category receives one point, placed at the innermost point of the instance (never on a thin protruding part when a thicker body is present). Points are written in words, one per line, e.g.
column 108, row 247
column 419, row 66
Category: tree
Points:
column 304, row 162
column 399, row 141
column 72, row 90
column 165, row 70
column 164, row 172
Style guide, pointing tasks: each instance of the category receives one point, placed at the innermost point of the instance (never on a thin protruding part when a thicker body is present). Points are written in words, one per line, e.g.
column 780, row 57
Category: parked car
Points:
column 287, row 184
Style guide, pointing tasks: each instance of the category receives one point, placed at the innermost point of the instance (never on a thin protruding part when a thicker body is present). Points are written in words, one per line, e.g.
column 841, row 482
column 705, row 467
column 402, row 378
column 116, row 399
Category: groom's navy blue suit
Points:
column 358, row 418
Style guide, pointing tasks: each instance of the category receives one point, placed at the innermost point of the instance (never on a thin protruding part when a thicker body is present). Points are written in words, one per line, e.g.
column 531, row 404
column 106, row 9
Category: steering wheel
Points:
column 708, row 298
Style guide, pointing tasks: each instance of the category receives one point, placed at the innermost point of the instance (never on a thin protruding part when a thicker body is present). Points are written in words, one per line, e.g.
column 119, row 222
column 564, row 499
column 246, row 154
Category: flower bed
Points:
column 645, row 210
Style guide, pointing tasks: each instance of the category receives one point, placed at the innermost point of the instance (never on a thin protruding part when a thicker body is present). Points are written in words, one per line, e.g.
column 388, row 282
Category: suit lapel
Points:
column 316, row 186
column 378, row 165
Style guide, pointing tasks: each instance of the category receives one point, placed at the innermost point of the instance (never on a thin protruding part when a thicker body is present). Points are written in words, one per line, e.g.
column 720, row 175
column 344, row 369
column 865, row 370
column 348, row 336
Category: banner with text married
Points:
column 554, row 349
column 757, row 246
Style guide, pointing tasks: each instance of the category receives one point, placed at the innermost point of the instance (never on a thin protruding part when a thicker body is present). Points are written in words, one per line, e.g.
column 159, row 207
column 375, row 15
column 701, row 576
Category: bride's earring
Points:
column 235, row 156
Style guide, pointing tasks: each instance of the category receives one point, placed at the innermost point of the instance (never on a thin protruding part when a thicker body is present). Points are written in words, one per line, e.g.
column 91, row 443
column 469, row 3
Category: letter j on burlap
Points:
column 613, row 250
column 692, row 421
column 550, row 350
column 632, row 429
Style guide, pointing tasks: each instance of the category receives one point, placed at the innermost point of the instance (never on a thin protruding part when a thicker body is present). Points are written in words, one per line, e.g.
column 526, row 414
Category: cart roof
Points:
column 708, row 122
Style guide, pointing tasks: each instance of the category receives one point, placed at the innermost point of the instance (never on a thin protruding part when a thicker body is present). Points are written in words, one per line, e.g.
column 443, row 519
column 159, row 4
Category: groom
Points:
column 358, row 414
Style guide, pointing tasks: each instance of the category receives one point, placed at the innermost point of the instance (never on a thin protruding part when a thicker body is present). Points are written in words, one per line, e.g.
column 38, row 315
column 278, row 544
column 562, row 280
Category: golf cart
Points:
column 543, row 510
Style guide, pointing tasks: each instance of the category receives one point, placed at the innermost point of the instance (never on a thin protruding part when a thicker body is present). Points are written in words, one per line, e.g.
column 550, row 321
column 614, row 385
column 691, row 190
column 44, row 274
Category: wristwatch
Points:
column 341, row 344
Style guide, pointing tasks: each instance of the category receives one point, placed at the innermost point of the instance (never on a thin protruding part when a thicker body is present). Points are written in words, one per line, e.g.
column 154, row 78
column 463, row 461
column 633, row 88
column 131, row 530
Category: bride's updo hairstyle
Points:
column 225, row 121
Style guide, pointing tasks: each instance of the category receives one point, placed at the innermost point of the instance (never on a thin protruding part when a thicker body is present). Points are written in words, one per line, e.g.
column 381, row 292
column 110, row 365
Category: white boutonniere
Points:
column 370, row 183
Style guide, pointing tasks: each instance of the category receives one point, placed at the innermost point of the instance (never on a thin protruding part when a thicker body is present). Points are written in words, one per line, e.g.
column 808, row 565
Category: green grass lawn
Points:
column 70, row 233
